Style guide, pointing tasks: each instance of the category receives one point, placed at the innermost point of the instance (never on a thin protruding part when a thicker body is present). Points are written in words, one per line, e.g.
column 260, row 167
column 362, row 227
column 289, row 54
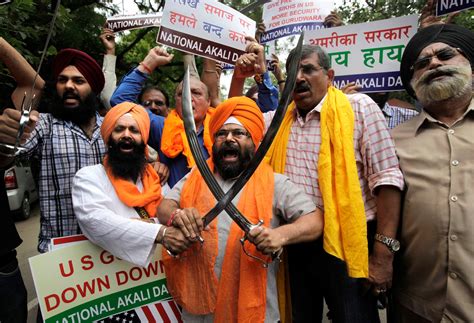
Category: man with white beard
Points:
column 434, row 278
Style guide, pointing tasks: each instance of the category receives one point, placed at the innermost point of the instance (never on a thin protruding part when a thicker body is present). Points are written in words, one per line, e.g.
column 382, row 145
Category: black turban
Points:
column 449, row 34
column 84, row 63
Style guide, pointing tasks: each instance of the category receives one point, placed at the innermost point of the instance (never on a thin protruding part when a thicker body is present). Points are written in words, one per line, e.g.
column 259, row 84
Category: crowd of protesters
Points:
column 363, row 200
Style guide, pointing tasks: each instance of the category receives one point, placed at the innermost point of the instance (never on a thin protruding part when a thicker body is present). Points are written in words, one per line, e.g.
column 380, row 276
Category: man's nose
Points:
column 230, row 136
column 434, row 62
column 299, row 75
column 127, row 133
column 69, row 84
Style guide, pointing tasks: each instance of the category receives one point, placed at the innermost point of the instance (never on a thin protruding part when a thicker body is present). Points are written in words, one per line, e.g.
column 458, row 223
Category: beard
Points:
column 78, row 115
column 229, row 170
column 126, row 165
column 457, row 84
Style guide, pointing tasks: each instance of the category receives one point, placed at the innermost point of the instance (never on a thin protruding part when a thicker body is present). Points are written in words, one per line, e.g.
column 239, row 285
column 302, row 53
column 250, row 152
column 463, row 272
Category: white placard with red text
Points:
column 80, row 282
column 205, row 28
column 290, row 17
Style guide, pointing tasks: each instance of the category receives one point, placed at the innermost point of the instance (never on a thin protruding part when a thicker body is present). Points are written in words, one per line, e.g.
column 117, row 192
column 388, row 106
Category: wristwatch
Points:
column 392, row 244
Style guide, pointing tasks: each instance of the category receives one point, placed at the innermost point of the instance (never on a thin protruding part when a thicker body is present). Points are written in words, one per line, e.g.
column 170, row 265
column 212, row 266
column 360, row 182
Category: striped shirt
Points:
column 376, row 161
column 397, row 115
column 62, row 148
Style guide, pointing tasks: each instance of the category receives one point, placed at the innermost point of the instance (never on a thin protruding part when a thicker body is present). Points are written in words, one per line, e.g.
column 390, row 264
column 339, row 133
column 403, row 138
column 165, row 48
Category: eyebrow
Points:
column 434, row 52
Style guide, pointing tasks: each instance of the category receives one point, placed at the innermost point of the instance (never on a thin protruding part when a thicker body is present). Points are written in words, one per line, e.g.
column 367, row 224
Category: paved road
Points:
column 28, row 230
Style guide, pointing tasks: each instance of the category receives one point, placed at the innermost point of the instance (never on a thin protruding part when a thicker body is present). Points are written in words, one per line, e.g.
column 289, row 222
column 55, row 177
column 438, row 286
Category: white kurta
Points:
column 109, row 223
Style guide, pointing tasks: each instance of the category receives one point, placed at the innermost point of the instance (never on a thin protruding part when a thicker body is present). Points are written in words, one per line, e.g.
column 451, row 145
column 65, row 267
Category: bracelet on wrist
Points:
column 281, row 81
column 163, row 234
column 173, row 215
column 149, row 71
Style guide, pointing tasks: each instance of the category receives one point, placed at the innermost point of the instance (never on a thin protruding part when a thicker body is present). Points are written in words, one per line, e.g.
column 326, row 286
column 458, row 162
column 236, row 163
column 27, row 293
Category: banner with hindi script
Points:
column 80, row 282
column 444, row 7
column 290, row 17
column 121, row 23
column 368, row 53
column 205, row 28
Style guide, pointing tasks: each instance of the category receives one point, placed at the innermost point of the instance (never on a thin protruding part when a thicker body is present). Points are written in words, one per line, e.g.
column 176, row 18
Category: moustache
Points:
column 428, row 76
column 302, row 87
column 229, row 148
column 126, row 143
column 70, row 95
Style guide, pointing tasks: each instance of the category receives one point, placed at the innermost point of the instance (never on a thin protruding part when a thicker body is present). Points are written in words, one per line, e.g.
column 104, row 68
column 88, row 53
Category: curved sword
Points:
column 225, row 200
column 267, row 140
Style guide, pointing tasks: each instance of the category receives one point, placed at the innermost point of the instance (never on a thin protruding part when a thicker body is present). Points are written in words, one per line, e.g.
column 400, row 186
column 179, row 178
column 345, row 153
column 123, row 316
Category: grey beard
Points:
column 456, row 85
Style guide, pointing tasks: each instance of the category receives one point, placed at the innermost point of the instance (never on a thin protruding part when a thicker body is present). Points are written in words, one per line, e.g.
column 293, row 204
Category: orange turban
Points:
column 243, row 109
column 138, row 113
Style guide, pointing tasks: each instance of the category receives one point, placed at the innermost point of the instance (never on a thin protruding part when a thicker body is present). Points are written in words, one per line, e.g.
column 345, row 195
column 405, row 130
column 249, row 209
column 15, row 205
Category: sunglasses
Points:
column 149, row 103
column 442, row 54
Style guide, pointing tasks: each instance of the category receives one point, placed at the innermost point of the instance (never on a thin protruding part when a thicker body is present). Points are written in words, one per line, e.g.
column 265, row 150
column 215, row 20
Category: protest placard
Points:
column 205, row 28
column 368, row 53
column 443, row 7
column 83, row 283
column 120, row 23
column 290, row 17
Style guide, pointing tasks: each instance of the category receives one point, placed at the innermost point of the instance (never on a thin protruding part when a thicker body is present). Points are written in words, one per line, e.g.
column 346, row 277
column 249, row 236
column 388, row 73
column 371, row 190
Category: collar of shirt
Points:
column 425, row 117
column 313, row 114
column 387, row 110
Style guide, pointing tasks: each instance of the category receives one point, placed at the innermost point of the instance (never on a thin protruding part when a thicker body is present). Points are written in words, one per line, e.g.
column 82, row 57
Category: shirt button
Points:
column 454, row 198
column 455, row 162
column 451, row 131
column 453, row 237
column 453, row 275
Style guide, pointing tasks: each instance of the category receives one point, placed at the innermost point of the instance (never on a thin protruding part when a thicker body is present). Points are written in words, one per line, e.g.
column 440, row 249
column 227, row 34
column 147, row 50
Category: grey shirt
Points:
column 289, row 203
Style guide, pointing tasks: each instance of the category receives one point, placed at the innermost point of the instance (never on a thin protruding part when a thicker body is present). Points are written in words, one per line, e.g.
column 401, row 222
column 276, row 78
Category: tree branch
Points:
column 139, row 37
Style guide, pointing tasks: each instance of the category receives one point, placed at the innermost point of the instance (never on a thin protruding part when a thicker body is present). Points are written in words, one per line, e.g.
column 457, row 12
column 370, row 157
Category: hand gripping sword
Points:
column 27, row 102
column 225, row 200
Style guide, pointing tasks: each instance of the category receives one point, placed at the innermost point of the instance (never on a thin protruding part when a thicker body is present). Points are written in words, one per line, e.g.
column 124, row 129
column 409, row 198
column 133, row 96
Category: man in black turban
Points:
column 433, row 279
column 453, row 35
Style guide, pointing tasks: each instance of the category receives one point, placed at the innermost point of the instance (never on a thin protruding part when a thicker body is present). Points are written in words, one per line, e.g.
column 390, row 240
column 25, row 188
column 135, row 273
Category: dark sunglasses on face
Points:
column 236, row 133
column 442, row 54
column 149, row 103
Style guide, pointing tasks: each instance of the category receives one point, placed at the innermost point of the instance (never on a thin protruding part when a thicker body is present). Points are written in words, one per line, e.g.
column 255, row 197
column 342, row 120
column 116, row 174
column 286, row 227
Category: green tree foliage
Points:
column 25, row 25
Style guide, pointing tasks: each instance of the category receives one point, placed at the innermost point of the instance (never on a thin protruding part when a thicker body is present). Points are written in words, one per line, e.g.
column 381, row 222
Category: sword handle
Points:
column 275, row 256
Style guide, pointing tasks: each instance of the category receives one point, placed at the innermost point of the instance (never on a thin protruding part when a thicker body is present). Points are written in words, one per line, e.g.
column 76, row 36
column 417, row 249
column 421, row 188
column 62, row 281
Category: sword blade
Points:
column 267, row 140
column 190, row 130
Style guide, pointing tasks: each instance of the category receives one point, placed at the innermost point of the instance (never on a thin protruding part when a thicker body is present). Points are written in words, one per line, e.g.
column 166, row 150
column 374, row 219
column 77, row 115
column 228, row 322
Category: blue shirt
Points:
column 267, row 94
column 397, row 115
column 128, row 90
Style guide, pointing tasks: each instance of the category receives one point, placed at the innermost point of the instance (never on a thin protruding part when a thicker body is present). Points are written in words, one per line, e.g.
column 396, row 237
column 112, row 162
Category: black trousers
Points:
column 316, row 275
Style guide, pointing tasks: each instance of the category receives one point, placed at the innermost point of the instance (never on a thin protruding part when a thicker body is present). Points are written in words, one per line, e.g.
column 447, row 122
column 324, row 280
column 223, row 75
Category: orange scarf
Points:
column 174, row 141
column 129, row 194
column 240, row 293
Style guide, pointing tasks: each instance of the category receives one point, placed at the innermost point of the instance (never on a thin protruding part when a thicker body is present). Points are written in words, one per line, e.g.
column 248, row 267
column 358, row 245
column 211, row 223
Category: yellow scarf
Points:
column 345, row 226
column 174, row 141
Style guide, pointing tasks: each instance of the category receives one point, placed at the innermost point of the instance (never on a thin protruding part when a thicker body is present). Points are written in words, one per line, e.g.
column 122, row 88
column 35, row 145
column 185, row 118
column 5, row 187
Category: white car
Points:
column 21, row 189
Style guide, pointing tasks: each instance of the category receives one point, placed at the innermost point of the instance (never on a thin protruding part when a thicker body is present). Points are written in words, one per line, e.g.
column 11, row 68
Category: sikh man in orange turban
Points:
column 109, row 198
column 217, row 281
column 167, row 135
